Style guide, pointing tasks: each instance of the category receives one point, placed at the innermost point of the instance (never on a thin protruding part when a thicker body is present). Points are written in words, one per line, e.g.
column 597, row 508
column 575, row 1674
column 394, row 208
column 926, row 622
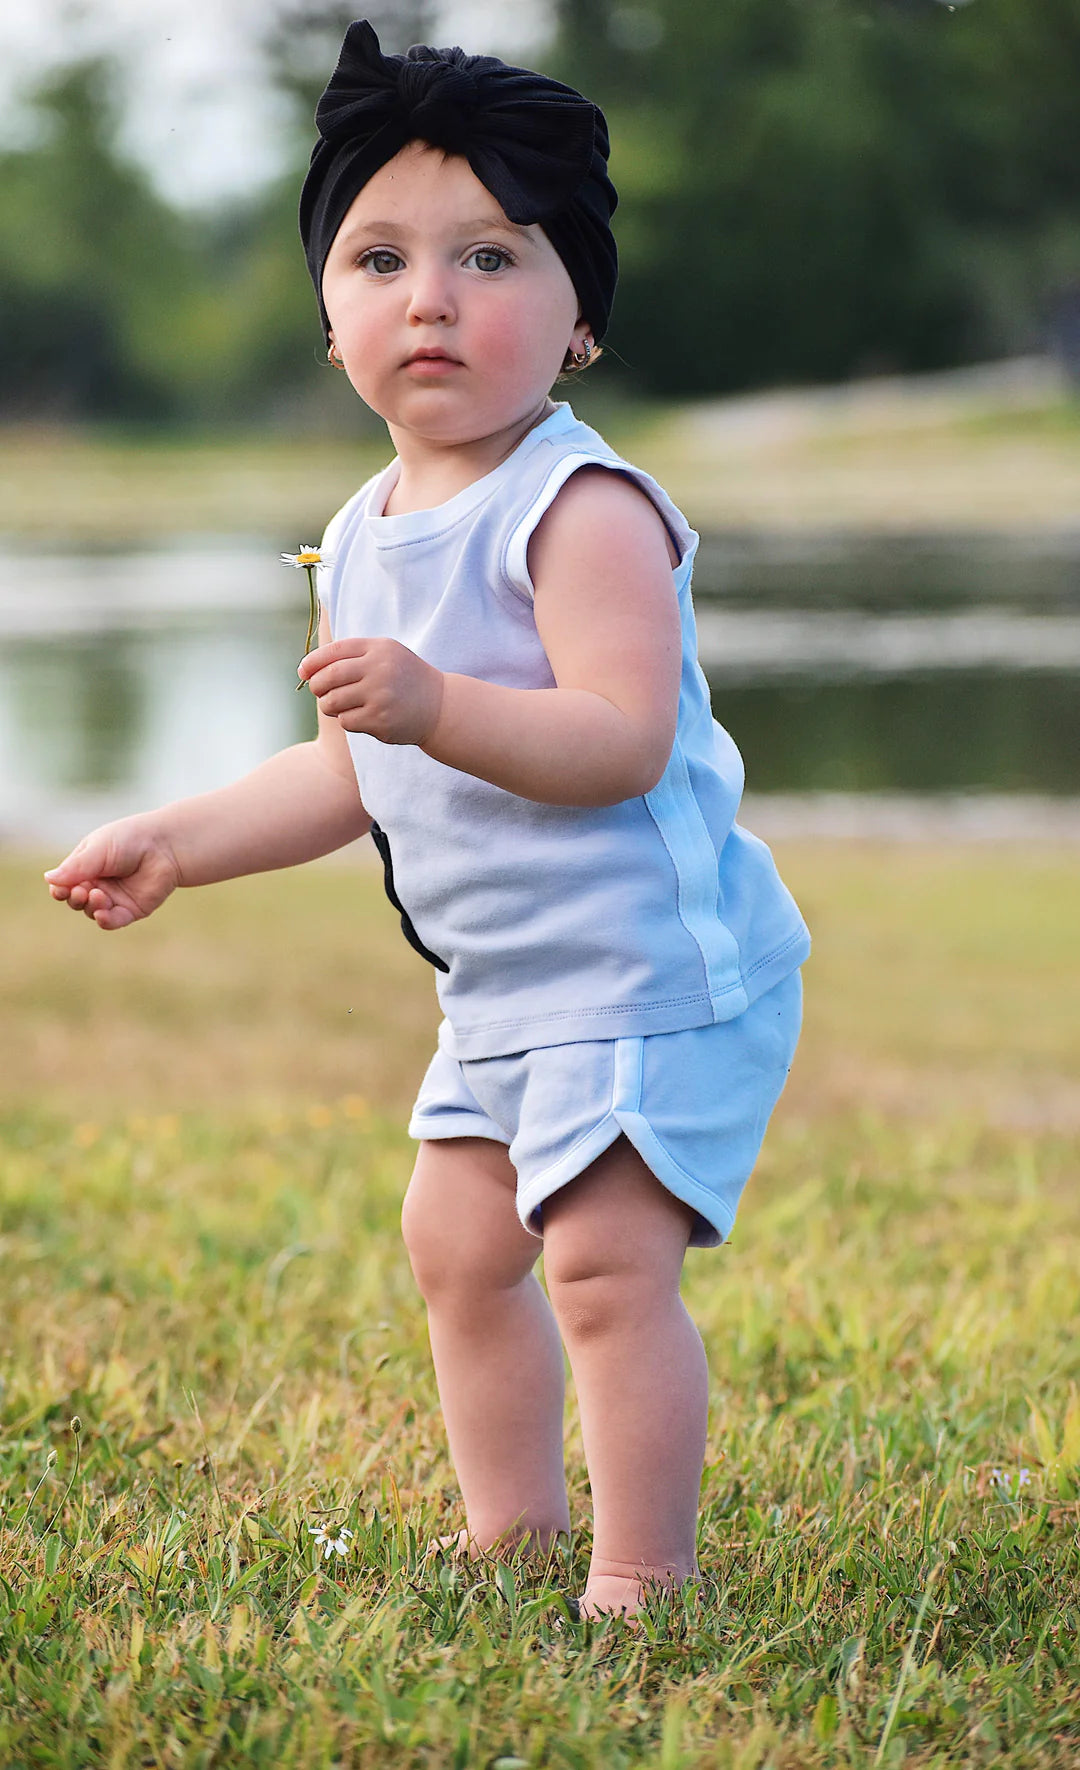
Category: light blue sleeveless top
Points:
column 549, row 924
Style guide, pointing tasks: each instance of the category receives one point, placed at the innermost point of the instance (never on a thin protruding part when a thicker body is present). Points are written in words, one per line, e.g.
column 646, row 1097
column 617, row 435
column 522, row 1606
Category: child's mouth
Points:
column 432, row 363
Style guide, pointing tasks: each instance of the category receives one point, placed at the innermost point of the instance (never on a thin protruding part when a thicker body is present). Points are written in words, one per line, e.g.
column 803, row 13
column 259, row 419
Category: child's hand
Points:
column 116, row 875
column 376, row 686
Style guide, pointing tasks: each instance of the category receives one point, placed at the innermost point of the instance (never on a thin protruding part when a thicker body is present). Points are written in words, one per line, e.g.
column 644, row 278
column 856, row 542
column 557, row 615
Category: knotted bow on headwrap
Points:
column 539, row 147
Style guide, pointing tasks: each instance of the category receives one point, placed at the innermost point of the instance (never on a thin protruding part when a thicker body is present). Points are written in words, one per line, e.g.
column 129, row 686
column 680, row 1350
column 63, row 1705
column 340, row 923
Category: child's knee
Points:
column 593, row 1298
column 437, row 1246
column 451, row 1260
column 463, row 1239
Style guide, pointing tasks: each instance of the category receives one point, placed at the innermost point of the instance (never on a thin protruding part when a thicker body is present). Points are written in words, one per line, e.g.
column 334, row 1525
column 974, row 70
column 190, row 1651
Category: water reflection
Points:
column 955, row 731
column 92, row 726
column 77, row 709
column 833, row 569
column 854, row 666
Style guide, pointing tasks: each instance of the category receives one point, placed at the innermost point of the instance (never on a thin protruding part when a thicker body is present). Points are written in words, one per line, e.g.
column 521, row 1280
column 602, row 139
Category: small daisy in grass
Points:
column 1003, row 1478
column 330, row 1544
column 307, row 559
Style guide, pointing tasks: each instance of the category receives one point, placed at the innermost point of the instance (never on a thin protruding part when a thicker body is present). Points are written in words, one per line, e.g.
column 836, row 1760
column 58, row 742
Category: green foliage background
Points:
column 815, row 188
column 809, row 190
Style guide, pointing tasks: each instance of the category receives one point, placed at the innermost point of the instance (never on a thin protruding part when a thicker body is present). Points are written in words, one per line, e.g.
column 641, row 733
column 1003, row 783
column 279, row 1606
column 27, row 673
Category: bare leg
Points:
column 614, row 1241
column 497, row 1353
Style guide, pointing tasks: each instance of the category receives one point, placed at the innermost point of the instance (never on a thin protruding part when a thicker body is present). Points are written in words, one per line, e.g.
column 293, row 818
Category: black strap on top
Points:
column 379, row 837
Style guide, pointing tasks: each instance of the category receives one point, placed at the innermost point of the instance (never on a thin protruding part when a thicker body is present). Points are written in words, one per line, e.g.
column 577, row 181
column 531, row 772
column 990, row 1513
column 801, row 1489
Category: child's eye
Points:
column 489, row 258
column 381, row 261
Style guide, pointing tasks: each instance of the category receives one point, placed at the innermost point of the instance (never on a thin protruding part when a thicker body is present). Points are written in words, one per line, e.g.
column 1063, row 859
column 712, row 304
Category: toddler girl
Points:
column 509, row 700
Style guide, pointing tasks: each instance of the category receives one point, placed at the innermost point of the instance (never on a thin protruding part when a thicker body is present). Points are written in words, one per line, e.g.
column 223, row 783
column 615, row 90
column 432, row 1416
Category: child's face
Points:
column 425, row 260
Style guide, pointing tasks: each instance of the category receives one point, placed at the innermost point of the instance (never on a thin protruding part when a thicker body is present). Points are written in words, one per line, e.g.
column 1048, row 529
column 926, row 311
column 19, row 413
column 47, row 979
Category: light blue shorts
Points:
column 694, row 1105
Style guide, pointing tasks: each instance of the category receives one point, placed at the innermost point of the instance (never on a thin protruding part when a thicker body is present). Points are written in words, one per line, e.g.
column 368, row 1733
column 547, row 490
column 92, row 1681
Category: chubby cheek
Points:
column 525, row 346
column 367, row 342
column 360, row 326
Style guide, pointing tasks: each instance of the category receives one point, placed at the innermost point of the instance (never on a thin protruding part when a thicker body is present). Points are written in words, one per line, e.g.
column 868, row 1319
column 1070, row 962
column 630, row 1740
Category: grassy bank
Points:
column 929, row 453
column 203, row 1166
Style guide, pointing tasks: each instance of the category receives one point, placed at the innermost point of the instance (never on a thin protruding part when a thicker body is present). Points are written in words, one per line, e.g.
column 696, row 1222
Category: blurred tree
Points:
column 115, row 306
column 91, row 267
column 809, row 189
column 819, row 187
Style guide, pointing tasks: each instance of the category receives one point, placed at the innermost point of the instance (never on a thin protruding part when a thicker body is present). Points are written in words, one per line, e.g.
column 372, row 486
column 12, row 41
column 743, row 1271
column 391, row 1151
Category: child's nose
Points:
column 430, row 298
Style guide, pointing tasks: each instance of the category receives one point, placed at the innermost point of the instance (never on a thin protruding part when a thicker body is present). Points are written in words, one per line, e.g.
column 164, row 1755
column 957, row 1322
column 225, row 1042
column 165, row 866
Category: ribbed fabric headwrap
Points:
column 539, row 147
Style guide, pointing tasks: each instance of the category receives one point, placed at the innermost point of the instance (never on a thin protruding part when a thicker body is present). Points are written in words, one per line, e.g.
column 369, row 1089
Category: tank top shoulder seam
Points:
column 578, row 453
column 493, row 482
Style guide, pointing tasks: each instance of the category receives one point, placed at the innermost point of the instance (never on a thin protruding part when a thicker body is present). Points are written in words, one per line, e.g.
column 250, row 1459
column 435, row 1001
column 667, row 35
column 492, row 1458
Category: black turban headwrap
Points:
column 539, row 147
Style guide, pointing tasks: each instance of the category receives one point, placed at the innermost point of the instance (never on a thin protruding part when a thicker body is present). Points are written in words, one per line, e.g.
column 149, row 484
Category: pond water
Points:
column 840, row 664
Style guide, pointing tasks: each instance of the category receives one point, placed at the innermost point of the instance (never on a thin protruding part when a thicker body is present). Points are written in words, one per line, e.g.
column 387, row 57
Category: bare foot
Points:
column 461, row 1546
column 608, row 1594
column 618, row 1588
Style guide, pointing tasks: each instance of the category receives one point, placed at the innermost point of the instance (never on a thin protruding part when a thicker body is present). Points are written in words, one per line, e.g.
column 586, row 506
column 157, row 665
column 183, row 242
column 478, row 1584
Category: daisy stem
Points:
column 313, row 614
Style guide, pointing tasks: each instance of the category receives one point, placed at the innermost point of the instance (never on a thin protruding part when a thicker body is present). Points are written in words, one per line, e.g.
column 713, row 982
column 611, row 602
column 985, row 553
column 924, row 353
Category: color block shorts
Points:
column 694, row 1105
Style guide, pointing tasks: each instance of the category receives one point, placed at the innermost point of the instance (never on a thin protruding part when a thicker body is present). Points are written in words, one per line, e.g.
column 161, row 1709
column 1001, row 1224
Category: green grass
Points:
column 203, row 1163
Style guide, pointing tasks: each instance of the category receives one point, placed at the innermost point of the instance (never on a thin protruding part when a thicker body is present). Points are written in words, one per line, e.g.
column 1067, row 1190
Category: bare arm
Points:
column 300, row 803
column 608, row 619
column 293, row 807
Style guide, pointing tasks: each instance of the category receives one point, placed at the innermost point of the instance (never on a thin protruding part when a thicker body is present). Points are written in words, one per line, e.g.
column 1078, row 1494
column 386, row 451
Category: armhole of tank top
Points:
column 515, row 563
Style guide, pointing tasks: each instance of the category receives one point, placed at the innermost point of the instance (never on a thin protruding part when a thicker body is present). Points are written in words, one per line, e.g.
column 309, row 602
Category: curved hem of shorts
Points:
column 639, row 1132
column 447, row 1124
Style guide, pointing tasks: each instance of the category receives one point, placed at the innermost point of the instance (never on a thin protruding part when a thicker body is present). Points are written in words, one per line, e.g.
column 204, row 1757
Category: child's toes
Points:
column 459, row 1546
column 462, row 1546
column 609, row 1594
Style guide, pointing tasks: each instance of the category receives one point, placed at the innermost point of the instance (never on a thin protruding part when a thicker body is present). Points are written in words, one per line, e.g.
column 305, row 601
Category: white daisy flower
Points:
column 307, row 559
column 330, row 1544
column 307, row 556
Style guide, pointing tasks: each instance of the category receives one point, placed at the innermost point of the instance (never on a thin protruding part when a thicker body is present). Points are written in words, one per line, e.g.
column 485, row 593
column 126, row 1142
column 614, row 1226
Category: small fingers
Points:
column 102, row 908
column 322, row 657
column 89, row 899
column 95, row 903
column 342, row 701
column 313, row 660
column 112, row 916
column 341, row 673
column 74, row 893
column 359, row 720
